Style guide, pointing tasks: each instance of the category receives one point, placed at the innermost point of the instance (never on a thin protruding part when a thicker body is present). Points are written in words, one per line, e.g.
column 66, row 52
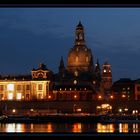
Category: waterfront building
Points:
column 27, row 87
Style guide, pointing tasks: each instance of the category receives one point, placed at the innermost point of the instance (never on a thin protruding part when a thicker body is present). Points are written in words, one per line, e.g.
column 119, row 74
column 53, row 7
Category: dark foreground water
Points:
column 71, row 127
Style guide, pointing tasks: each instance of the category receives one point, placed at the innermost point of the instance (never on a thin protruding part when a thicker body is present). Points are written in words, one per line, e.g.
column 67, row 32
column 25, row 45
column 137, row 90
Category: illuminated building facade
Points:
column 26, row 87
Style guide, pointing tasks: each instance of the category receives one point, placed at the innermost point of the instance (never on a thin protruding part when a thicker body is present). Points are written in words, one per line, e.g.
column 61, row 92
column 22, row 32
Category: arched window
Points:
column 77, row 58
column 86, row 58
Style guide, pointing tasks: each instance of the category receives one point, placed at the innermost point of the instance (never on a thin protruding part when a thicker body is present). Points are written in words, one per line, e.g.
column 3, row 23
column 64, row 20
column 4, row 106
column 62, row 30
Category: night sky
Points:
column 29, row 36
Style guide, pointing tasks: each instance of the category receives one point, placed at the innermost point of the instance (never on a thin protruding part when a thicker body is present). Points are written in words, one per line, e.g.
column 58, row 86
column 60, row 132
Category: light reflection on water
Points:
column 71, row 127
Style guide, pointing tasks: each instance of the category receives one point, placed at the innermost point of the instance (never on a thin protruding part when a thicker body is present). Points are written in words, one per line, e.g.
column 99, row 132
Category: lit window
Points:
column 87, row 59
column 94, row 82
column 10, row 87
column 10, row 96
column 104, row 70
column 76, row 58
column 70, row 88
column 77, row 49
column 60, row 89
column 128, row 88
column 19, row 96
column 109, row 70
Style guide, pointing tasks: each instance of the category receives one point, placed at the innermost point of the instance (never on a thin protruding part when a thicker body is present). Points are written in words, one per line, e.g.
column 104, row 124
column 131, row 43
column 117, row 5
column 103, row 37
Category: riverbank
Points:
column 61, row 118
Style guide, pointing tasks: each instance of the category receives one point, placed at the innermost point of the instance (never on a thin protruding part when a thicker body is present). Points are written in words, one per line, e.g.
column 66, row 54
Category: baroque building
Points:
column 79, row 80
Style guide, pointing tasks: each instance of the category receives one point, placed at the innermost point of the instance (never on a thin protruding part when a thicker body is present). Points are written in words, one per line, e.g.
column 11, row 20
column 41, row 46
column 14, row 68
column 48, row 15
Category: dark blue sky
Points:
column 29, row 36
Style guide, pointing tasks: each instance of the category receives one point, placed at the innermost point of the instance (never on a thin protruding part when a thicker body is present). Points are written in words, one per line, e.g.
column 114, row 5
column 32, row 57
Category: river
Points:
column 51, row 127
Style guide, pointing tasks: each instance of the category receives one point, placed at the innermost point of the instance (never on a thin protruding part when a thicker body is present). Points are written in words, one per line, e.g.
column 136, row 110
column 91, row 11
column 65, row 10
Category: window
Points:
column 104, row 70
column 1, row 87
column 40, row 87
column 86, row 58
column 18, row 96
column 40, row 96
column 27, row 87
column 10, row 96
column 18, row 87
column 76, row 58
column 1, row 96
column 40, row 75
column 10, row 87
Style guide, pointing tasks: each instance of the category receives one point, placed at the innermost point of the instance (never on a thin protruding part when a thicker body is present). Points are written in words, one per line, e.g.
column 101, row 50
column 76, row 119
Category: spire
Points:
column 61, row 62
column 61, row 66
column 80, row 24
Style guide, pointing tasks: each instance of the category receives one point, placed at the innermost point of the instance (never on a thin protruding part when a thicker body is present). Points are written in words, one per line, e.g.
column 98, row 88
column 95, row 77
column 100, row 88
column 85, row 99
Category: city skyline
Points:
column 30, row 36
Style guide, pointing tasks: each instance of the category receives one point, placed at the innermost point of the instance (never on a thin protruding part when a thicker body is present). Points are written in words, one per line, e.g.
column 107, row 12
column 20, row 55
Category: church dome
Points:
column 79, row 57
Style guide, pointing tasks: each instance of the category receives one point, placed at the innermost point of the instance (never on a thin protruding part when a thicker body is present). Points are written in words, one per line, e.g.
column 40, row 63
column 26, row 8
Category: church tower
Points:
column 106, row 76
column 79, row 57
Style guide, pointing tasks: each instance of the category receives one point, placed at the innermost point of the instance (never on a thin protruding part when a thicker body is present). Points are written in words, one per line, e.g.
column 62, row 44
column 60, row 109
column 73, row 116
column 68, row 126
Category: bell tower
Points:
column 107, row 76
column 79, row 39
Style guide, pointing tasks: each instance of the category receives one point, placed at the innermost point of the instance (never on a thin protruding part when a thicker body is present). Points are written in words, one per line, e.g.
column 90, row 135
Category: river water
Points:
column 51, row 127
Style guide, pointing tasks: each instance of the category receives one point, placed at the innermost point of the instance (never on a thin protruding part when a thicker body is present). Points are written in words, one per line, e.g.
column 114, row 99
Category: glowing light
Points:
column 77, row 127
column 123, row 96
column 49, row 96
column 70, row 88
column 120, row 110
column 111, row 97
column 10, row 87
column 78, row 109
column 75, row 96
column 14, row 110
column 75, row 82
column 31, row 109
column 99, row 97
column 104, row 70
column 126, row 109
